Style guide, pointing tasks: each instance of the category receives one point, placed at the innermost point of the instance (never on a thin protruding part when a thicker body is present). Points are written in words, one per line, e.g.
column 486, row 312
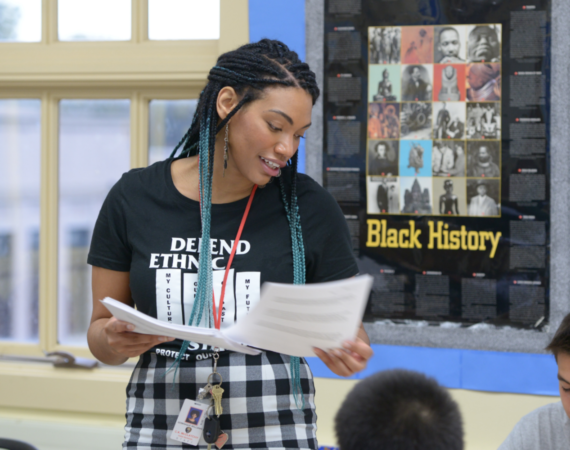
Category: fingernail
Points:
column 130, row 327
column 162, row 339
column 347, row 344
column 338, row 353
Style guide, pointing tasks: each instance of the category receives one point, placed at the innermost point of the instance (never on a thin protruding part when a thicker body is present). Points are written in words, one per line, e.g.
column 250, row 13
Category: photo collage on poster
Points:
column 434, row 120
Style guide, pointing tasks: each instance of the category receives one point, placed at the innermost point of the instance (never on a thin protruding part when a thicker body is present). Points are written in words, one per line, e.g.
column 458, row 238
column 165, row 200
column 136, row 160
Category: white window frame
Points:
column 139, row 70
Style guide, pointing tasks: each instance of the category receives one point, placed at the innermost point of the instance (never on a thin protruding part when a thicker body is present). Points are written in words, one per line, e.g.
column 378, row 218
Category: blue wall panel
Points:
column 521, row 373
column 283, row 20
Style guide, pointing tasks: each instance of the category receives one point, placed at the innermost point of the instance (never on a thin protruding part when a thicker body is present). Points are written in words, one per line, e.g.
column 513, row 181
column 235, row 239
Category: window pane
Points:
column 19, row 218
column 94, row 140
column 20, row 20
column 168, row 121
column 90, row 20
column 183, row 19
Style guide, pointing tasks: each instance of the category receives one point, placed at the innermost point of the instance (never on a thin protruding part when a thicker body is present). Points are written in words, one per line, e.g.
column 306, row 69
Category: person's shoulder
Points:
column 141, row 181
column 145, row 177
column 542, row 428
column 313, row 198
column 552, row 413
column 309, row 188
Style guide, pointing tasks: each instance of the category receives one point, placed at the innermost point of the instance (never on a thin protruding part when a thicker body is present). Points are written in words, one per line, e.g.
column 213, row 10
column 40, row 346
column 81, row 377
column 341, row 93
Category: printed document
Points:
column 289, row 319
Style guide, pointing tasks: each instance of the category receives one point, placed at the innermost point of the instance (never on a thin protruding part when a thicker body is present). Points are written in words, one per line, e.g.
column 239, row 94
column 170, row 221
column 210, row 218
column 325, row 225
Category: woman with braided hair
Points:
column 165, row 242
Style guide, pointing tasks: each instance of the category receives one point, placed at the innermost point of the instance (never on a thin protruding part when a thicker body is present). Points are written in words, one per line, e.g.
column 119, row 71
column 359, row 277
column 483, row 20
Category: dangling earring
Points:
column 279, row 173
column 226, row 145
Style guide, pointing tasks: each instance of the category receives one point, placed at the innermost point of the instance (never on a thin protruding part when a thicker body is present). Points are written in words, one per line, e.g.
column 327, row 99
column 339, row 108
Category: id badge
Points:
column 190, row 422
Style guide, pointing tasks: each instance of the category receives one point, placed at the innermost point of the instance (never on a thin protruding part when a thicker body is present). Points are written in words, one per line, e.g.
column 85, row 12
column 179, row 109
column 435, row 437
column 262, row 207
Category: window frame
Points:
column 139, row 70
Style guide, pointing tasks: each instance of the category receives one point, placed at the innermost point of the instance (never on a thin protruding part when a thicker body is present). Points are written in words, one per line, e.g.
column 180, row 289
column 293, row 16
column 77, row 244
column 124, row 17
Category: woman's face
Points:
column 266, row 133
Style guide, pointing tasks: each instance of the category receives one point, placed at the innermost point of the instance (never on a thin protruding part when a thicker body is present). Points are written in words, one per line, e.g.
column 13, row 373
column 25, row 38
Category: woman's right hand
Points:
column 126, row 343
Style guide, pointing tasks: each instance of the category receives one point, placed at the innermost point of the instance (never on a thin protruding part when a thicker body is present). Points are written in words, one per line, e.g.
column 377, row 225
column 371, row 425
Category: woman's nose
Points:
column 285, row 148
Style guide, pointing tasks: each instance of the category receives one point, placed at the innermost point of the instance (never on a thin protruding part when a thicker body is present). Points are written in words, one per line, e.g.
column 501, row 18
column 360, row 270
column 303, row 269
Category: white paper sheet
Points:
column 289, row 319
column 149, row 325
column 292, row 319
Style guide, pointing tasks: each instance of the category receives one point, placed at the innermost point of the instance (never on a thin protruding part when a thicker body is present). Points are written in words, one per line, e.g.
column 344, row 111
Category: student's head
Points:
column 449, row 42
column 448, row 186
column 399, row 410
column 385, row 74
column 560, row 347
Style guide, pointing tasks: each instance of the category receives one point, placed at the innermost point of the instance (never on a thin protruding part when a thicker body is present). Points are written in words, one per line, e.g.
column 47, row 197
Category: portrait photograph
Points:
column 384, row 120
column 415, row 195
column 483, row 82
column 483, row 120
column 484, row 43
column 448, row 120
column 194, row 416
column 448, row 159
column 449, row 196
column 450, row 44
column 417, row 45
column 483, row 159
column 384, row 83
column 383, row 195
column 483, row 198
column 449, row 82
column 415, row 158
column 383, row 158
column 384, row 45
column 417, row 83
column 416, row 120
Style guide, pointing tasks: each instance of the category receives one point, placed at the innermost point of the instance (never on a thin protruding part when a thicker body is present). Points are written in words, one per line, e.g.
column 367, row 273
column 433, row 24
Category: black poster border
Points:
column 525, row 340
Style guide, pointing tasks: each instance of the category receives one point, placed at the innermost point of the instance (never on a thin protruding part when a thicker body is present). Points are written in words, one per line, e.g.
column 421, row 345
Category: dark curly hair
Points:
column 399, row 410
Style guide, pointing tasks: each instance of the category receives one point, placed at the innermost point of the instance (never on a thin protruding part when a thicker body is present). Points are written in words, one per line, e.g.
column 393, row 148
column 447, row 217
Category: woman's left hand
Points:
column 350, row 359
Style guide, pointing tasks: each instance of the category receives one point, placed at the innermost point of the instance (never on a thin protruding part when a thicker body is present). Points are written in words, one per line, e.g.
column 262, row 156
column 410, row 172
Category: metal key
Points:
column 217, row 393
column 204, row 391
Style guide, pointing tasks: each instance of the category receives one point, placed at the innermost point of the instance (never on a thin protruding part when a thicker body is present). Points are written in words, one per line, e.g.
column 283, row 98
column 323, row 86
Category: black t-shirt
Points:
column 148, row 228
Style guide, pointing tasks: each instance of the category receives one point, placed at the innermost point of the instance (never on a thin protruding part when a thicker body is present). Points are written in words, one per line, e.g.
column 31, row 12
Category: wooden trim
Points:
column 234, row 24
column 41, row 386
column 48, row 223
column 139, row 15
column 139, row 131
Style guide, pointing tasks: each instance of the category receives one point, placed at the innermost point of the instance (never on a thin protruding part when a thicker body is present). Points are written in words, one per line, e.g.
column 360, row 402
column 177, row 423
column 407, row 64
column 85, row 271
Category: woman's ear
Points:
column 226, row 102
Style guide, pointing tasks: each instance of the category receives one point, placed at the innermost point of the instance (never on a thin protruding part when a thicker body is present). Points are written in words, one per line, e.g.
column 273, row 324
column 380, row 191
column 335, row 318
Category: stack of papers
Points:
column 289, row 319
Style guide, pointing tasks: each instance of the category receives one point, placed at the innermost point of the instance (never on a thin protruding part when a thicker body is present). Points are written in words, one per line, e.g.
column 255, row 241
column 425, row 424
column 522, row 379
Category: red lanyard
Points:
column 218, row 314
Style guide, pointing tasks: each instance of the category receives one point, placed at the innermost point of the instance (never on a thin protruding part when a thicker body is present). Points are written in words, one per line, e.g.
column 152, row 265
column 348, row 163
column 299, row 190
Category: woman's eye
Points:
column 273, row 127
column 299, row 137
column 566, row 389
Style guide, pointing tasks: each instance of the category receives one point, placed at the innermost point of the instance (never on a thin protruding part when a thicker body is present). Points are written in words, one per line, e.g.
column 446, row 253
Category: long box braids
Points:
column 249, row 70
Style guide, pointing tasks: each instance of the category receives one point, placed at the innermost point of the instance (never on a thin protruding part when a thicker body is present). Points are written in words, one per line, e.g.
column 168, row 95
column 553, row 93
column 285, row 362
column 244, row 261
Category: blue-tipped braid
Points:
column 249, row 70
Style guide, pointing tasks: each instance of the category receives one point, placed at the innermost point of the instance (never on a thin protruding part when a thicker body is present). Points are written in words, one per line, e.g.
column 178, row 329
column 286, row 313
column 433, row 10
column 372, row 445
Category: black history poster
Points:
column 436, row 129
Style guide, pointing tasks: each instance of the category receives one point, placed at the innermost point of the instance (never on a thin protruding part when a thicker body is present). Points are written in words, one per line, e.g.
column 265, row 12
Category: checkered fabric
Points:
column 259, row 408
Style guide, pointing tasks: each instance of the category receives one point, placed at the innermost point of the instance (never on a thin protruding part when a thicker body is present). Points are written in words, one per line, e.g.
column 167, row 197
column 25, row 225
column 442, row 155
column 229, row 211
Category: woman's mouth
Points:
column 270, row 167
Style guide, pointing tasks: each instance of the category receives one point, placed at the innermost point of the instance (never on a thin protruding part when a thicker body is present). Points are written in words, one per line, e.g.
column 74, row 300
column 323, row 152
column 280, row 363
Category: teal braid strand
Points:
column 299, row 269
column 203, row 299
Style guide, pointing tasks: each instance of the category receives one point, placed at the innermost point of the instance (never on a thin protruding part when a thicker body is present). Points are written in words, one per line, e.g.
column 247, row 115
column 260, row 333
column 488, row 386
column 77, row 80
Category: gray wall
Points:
column 480, row 336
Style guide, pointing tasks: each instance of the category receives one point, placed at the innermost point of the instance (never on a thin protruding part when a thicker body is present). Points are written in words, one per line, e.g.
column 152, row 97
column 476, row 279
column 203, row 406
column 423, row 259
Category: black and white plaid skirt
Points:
column 259, row 408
